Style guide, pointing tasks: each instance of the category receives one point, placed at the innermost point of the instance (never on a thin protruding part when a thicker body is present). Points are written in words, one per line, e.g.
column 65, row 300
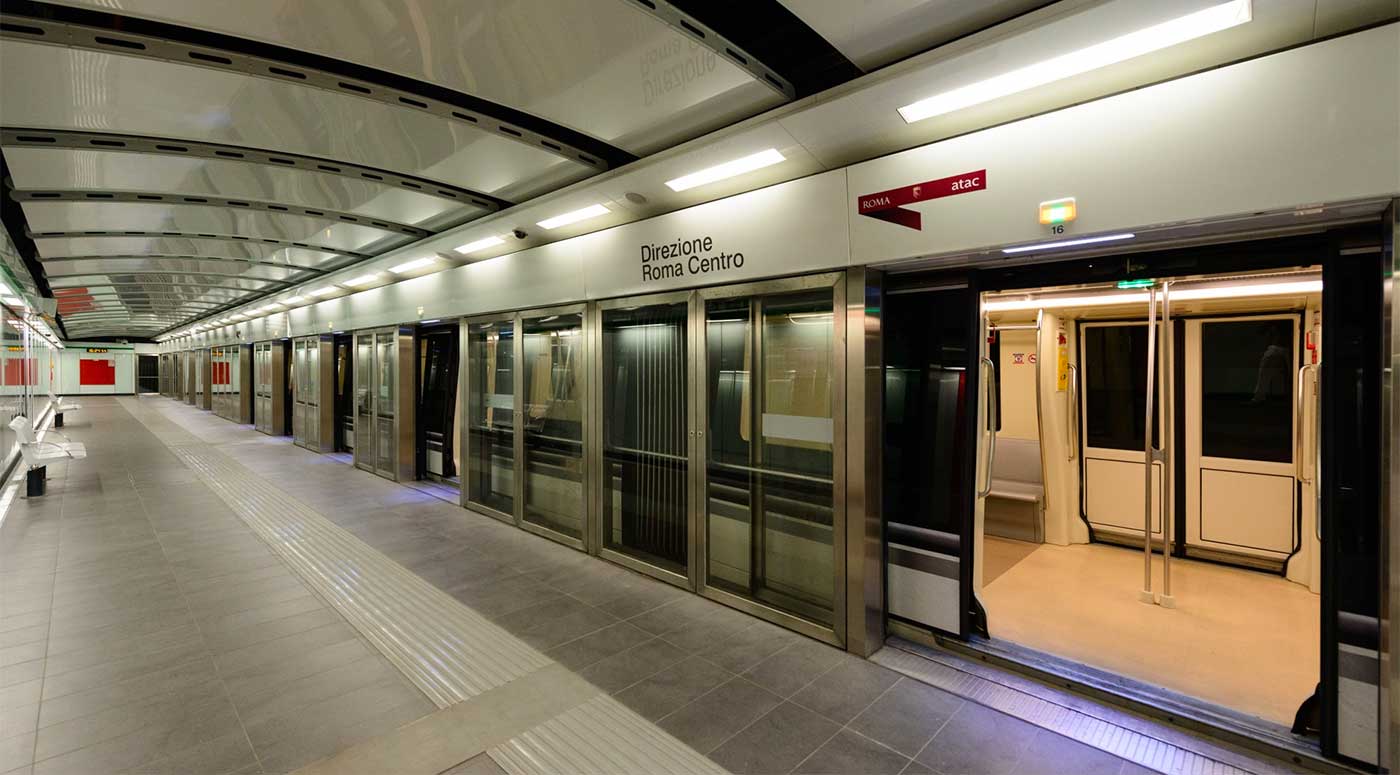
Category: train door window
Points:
column 1247, row 389
column 552, row 375
column 644, row 394
column 771, row 377
column 1113, row 358
column 491, row 416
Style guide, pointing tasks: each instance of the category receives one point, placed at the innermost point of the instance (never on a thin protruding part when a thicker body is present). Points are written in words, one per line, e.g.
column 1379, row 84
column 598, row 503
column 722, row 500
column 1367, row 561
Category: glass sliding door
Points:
column 386, row 402
column 491, row 411
column 552, row 378
column 644, row 397
column 773, row 375
column 364, row 400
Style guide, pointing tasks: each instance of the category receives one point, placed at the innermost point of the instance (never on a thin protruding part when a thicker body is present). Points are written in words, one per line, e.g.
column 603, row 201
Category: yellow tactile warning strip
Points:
column 445, row 648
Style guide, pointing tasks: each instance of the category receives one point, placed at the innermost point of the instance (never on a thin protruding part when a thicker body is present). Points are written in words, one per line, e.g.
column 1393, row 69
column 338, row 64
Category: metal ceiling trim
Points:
column 151, row 197
column 93, row 30
column 307, row 271
column 196, row 235
column 58, row 283
column 175, row 273
column 713, row 39
column 22, row 137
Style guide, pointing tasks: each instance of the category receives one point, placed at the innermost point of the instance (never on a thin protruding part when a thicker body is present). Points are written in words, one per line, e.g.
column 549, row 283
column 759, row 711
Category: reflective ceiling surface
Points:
column 168, row 161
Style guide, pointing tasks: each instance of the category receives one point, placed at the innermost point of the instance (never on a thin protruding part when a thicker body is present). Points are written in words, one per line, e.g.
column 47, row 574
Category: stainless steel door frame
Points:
column 836, row 282
column 403, row 350
column 597, row 468
column 368, row 374
column 363, row 373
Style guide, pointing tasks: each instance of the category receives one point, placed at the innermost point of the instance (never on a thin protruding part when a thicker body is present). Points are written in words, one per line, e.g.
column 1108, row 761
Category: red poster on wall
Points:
column 94, row 371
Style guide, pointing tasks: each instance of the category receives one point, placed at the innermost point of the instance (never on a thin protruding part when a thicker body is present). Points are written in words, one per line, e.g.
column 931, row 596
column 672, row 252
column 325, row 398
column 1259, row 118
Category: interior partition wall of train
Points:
column 1135, row 478
column 525, row 420
column 384, row 402
column 437, row 441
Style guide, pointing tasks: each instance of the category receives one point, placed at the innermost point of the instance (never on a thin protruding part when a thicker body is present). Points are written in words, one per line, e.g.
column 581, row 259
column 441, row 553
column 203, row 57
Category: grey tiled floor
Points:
column 170, row 639
column 143, row 627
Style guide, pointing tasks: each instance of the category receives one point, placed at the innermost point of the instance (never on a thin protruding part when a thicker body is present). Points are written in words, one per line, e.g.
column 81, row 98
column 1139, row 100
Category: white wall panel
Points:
column 1316, row 124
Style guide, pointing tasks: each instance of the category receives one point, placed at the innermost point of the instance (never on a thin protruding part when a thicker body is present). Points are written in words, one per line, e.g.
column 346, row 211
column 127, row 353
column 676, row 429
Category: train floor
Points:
column 195, row 597
column 1237, row 638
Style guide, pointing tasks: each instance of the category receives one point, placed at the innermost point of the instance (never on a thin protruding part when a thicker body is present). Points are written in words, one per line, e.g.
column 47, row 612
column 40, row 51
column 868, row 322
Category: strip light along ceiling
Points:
column 729, row 169
column 1191, row 292
column 413, row 266
column 1069, row 243
column 363, row 280
column 1130, row 46
column 326, row 291
column 481, row 244
column 583, row 214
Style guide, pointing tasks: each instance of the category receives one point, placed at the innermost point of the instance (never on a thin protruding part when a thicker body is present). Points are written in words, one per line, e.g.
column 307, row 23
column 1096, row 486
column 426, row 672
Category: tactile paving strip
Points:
column 598, row 737
column 448, row 650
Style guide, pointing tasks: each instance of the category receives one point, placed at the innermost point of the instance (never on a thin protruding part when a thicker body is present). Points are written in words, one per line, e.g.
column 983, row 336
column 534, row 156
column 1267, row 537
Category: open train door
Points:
column 931, row 464
column 1346, row 710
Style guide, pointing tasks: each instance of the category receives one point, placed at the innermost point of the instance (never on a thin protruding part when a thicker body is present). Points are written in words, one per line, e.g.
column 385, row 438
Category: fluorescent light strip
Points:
column 728, row 169
column 1121, row 49
column 481, row 244
column 413, row 266
column 363, row 280
column 326, row 291
column 1221, row 291
column 591, row 211
column 1068, row 243
column 295, row 300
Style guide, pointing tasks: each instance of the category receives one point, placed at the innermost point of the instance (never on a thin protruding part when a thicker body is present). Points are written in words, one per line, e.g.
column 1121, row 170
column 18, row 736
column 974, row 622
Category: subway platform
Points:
column 196, row 597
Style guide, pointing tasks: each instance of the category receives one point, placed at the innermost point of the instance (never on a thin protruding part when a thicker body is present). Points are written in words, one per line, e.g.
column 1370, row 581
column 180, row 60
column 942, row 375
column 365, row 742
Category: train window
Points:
column 1114, row 359
column 1247, row 389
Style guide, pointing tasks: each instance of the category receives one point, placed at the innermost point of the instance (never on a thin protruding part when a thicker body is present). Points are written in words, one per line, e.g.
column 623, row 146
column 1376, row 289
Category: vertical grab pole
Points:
column 1146, row 594
column 1168, row 449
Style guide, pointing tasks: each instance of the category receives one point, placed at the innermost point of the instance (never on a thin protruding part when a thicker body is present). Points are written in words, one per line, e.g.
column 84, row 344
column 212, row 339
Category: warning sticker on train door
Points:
column 1061, row 362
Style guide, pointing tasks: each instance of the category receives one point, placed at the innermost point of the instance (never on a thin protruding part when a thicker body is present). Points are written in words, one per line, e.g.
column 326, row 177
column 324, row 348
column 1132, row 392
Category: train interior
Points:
column 1066, row 562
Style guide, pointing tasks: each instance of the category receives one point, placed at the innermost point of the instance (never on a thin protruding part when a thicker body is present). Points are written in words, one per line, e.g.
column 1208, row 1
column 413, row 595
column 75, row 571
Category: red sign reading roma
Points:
column 888, row 205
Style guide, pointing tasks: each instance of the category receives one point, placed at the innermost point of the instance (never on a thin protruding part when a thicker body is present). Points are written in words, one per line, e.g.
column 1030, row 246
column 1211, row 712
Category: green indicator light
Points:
column 1136, row 283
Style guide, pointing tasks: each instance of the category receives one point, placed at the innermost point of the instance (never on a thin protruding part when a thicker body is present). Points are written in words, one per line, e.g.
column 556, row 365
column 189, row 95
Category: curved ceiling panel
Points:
column 56, row 268
column 63, row 169
column 70, row 217
column 165, row 281
column 602, row 68
column 87, row 90
column 232, row 250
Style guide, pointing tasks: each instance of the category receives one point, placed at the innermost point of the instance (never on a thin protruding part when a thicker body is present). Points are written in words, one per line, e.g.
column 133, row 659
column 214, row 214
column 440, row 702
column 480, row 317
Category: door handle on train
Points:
column 1072, row 412
column 990, row 370
column 1300, row 447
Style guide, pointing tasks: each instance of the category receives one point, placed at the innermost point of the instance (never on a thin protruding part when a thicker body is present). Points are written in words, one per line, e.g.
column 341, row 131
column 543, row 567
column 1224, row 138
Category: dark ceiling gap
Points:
column 290, row 62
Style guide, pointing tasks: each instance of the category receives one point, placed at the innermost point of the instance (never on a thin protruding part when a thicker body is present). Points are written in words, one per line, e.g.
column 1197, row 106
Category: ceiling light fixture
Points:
column 363, row 280
column 729, row 169
column 1230, row 290
column 414, row 265
column 1120, row 49
column 326, row 291
column 1069, row 243
column 591, row 211
column 295, row 300
column 481, row 244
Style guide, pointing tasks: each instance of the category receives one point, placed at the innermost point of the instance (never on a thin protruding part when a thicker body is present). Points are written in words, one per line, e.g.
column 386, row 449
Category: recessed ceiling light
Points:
column 729, row 169
column 295, row 300
column 583, row 214
column 363, row 280
column 270, row 307
column 481, row 244
column 326, row 291
column 413, row 266
column 1109, row 52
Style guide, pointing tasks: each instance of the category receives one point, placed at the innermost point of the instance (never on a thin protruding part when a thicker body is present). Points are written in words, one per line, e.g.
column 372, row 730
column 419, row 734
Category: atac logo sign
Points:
column 889, row 205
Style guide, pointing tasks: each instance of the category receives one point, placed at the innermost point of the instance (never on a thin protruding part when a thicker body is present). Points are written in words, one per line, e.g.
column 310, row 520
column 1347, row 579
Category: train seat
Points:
column 1016, row 505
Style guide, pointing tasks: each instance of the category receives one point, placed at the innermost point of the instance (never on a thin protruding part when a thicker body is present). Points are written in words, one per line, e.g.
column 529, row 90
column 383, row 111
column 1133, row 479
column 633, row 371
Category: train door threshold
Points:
column 1154, row 728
